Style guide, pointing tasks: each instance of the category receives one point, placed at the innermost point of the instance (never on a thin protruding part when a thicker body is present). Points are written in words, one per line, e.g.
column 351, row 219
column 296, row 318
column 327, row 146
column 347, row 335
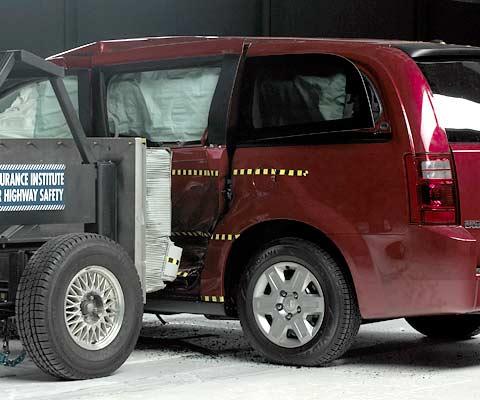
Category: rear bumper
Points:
column 442, row 270
column 429, row 270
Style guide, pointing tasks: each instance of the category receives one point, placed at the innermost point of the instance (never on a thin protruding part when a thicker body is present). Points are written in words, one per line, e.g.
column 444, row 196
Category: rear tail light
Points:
column 432, row 189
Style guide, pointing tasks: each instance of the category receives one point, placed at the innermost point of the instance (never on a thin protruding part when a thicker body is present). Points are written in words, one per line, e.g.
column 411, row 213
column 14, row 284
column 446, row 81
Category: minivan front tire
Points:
column 296, row 305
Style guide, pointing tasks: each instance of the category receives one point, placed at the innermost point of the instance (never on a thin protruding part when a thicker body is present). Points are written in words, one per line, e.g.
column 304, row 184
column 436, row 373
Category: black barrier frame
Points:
column 21, row 64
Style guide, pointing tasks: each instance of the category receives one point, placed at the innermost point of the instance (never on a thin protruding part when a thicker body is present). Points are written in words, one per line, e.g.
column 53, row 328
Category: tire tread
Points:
column 31, row 306
column 350, row 321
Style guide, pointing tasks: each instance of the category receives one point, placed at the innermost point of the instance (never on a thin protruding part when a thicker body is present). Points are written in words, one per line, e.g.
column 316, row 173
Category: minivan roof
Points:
column 413, row 49
column 121, row 48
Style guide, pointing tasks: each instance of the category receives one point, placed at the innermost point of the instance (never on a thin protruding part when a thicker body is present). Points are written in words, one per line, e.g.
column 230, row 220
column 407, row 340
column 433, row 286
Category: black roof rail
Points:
column 436, row 50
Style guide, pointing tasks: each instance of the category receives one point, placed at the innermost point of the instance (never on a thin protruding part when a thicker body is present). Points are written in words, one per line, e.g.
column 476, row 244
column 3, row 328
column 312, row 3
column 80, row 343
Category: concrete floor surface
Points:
column 194, row 358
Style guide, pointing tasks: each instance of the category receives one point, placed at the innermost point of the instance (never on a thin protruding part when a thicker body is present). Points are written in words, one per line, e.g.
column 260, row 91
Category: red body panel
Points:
column 355, row 194
column 467, row 164
column 190, row 189
column 397, row 268
column 198, row 182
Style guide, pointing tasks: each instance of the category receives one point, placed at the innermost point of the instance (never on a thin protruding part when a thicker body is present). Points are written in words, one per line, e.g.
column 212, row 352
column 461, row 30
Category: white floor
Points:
column 194, row 358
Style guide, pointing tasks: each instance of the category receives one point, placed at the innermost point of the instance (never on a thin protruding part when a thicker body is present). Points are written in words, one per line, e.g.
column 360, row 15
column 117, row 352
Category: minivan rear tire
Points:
column 339, row 323
column 447, row 327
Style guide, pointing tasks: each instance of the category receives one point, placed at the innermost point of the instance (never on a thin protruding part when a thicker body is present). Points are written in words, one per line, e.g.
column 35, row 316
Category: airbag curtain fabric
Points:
column 33, row 112
column 283, row 101
column 163, row 106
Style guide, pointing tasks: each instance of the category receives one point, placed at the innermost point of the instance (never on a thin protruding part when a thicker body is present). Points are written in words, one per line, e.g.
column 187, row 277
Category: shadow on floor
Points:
column 373, row 346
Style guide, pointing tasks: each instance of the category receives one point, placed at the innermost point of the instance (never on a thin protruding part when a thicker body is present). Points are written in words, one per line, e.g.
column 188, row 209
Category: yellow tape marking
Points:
column 216, row 236
column 174, row 261
column 191, row 234
column 225, row 236
column 213, row 299
column 195, row 172
column 270, row 171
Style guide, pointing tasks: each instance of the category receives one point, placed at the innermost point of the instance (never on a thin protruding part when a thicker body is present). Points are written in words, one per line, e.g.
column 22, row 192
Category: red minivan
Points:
column 341, row 187
column 316, row 184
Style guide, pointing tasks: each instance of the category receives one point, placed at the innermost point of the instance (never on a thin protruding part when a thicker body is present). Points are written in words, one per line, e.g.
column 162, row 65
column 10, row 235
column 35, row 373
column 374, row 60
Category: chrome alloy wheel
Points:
column 288, row 304
column 94, row 308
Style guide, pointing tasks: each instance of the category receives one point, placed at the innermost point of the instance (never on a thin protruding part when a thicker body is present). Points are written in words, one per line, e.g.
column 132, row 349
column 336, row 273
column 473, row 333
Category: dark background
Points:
column 50, row 26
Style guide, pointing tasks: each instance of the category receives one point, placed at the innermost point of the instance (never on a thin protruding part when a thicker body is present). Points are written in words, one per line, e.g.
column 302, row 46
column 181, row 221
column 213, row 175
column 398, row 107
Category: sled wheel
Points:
column 79, row 306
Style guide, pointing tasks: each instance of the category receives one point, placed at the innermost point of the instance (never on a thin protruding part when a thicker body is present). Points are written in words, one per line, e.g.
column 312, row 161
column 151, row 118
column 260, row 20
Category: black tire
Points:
column 447, row 327
column 40, row 306
column 341, row 318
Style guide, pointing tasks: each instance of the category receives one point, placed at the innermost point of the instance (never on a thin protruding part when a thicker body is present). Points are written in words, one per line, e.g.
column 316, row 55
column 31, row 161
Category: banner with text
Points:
column 32, row 187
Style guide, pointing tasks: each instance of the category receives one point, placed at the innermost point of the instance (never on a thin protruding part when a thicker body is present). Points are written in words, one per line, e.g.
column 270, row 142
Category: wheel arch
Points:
column 247, row 245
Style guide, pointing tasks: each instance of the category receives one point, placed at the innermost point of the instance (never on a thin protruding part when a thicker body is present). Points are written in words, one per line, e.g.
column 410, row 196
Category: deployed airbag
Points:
column 33, row 112
column 163, row 106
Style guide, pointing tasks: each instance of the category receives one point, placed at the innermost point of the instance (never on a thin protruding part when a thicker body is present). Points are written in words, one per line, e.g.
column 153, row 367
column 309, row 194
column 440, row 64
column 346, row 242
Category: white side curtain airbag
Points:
column 332, row 94
column 164, row 106
column 32, row 111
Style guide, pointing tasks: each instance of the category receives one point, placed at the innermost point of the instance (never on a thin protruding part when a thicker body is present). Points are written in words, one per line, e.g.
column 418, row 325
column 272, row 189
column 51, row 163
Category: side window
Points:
column 302, row 94
column 31, row 111
column 163, row 106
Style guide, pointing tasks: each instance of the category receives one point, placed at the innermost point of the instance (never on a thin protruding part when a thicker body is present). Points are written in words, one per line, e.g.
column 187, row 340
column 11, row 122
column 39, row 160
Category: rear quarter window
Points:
column 456, row 96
